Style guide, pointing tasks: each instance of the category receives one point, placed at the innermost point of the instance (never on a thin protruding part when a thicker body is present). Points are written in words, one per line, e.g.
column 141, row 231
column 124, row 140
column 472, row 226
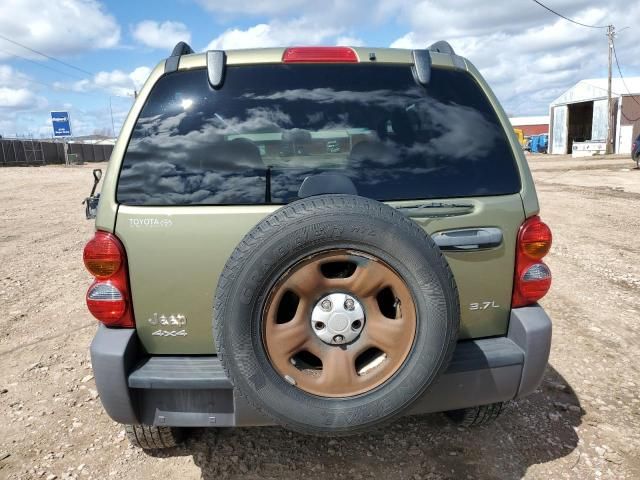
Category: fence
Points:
column 17, row 152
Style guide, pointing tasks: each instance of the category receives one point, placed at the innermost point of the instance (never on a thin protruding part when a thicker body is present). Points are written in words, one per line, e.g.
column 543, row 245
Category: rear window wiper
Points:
column 436, row 209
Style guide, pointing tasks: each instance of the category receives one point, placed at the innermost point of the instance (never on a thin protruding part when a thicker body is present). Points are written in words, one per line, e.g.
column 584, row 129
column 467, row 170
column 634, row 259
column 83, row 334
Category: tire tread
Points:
column 476, row 416
column 148, row 437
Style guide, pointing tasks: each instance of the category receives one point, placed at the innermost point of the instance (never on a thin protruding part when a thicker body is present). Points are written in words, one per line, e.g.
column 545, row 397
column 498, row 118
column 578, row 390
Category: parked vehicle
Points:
column 329, row 290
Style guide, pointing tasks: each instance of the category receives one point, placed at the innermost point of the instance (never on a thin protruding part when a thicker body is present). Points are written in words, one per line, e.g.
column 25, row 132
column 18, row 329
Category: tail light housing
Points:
column 532, row 276
column 108, row 298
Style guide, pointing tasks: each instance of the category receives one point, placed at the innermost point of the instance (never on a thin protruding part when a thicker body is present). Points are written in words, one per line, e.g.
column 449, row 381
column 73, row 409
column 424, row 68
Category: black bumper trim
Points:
column 180, row 372
column 114, row 353
column 471, row 355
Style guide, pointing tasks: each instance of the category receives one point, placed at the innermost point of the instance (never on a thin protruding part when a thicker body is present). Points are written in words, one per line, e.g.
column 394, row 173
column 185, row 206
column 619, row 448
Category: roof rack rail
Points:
column 171, row 63
column 442, row 47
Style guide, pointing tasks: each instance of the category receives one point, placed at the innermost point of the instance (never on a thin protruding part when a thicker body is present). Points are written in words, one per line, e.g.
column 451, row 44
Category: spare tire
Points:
column 334, row 314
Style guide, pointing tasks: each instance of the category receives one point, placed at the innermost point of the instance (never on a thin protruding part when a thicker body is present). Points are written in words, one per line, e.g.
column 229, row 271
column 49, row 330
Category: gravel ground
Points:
column 583, row 422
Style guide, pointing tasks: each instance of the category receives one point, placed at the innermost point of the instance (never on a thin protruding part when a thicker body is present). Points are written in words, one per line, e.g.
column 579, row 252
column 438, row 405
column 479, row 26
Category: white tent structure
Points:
column 580, row 115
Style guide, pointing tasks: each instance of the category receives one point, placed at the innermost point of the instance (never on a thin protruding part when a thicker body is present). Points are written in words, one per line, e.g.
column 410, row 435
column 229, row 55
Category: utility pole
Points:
column 610, row 34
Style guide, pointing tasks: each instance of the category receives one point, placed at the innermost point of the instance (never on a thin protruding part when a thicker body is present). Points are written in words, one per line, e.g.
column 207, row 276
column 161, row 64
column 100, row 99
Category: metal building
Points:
column 533, row 125
column 578, row 117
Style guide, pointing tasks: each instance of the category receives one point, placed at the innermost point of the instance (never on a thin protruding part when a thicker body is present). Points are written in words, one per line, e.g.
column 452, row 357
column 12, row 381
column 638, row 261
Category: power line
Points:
column 59, row 86
column 64, row 88
column 567, row 18
column 615, row 55
column 46, row 56
column 48, row 67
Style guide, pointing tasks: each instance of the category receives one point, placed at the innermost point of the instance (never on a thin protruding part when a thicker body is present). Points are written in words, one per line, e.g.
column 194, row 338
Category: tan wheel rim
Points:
column 298, row 340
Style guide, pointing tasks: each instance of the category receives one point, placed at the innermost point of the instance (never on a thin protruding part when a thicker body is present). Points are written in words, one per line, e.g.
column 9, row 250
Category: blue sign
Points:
column 61, row 124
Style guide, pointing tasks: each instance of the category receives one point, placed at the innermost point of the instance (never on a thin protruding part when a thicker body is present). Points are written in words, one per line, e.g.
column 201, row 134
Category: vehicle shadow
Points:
column 533, row 430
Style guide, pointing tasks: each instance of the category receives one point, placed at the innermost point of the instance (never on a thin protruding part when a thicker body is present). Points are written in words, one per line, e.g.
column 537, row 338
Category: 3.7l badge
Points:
column 485, row 305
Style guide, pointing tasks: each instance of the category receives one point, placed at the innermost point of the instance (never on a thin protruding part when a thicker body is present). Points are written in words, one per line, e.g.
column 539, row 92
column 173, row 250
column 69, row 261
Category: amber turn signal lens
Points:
column 535, row 238
column 536, row 250
column 102, row 256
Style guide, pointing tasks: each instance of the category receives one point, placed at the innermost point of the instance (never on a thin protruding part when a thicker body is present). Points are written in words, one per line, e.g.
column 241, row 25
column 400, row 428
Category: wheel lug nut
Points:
column 319, row 325
column 338, row 339
column 356, row 324
column 349, row 304
column 326, row 305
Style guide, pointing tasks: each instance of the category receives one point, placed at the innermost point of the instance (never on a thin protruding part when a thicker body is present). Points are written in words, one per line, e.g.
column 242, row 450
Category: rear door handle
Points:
column 468, row 239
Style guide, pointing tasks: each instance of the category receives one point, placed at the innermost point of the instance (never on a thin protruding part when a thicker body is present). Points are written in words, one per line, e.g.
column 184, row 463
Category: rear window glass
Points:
column 271, row 127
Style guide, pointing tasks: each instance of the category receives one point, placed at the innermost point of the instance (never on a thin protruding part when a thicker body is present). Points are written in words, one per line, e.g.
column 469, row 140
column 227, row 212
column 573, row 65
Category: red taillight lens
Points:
column 102, row 255
column 319, row 55
column 532, row 277
column 108, row 299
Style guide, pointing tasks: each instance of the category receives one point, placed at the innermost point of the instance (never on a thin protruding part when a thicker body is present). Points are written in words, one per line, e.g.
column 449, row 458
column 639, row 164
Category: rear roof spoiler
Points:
column 171, row 63
column 441, row 47
column 216, row 60
column 422, row 60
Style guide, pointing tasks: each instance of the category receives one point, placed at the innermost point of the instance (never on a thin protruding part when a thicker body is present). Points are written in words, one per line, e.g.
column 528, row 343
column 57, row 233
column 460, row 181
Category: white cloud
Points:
column 294, row 32
column 350, row 41
column 115, row 82
column 17, row 91
column 252, row 7
column 57, row 28
column 18, row 98
column 161, row 35
column 296, row 22
column 9, row 77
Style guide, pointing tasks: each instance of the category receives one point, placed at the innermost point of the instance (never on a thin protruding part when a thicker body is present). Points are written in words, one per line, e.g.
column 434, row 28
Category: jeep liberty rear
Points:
column 323, row 238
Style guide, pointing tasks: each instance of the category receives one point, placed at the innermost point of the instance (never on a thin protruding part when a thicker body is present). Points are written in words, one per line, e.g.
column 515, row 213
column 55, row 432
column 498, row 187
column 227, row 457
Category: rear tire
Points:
column 154, row 438
column 475, row 416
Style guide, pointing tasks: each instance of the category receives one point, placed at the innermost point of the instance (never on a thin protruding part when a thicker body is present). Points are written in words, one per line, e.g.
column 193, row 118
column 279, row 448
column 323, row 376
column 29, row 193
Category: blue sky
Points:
column 528, row 55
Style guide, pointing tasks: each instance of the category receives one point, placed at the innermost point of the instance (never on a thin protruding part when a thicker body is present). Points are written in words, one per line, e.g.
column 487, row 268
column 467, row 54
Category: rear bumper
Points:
column 194, row 391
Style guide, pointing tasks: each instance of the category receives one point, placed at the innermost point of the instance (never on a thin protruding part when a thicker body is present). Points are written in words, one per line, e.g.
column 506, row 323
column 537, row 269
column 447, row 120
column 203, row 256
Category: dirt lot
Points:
column 583, row 422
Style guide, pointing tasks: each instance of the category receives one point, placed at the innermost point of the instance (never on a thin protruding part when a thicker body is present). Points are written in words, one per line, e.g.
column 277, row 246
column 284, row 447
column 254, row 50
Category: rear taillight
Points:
column 532, row 277
column 319, row 55
column 108, row 299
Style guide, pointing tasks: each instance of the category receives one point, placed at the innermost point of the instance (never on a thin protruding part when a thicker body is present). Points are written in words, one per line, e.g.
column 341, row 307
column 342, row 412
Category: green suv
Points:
column 323, row 238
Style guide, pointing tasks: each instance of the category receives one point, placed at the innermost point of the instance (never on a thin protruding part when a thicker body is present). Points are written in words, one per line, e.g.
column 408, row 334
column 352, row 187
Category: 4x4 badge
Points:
column 170, row 333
